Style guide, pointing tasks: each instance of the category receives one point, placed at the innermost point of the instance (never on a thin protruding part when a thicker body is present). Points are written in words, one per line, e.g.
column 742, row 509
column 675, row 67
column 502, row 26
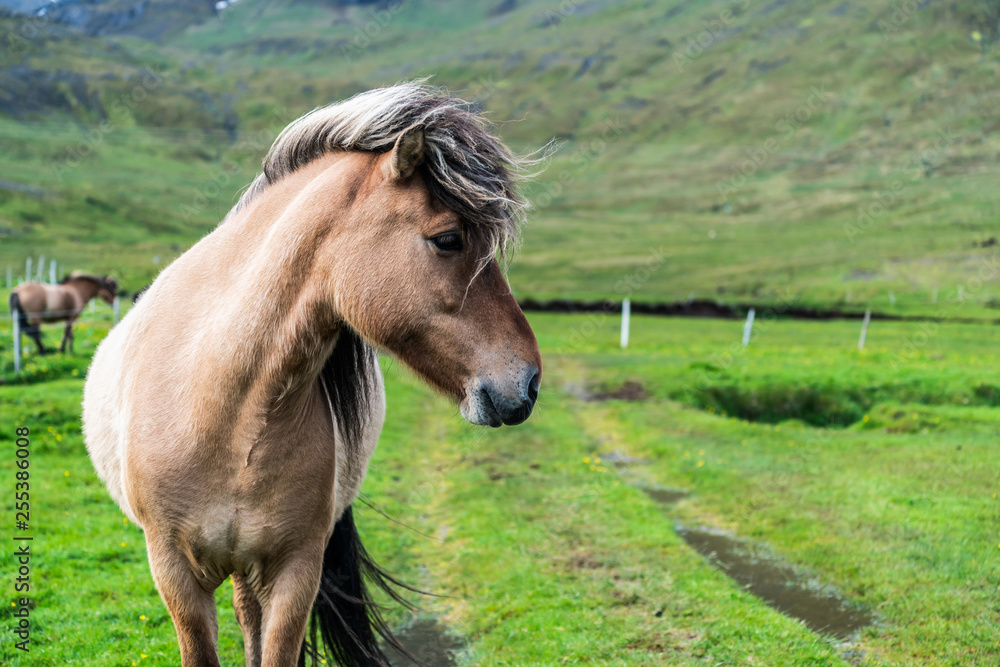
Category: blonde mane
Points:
column 465, row 166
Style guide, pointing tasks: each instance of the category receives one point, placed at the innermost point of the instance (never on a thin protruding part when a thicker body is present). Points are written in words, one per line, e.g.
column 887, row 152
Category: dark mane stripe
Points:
column 346, row 621
column 347, row 375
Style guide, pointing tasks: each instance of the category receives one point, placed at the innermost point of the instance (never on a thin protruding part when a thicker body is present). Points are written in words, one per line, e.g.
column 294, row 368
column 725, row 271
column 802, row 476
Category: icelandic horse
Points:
column 34, row 303
column 233, row 411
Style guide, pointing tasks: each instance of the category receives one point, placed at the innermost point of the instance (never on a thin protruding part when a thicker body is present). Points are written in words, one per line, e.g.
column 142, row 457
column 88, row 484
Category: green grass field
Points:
column 549, row 555
column 835, row 154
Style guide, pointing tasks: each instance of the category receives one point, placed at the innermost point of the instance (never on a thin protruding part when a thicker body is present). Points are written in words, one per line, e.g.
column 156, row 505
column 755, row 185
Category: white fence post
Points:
column 41, row 267
column 17, row 342
column 864, row 330
column 116, row 305
column 27, row 270
column 748, row 327
column 626, row 313
column 52, row 273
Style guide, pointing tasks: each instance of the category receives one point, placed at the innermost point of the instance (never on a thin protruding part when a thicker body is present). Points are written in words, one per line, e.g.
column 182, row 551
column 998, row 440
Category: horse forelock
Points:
column 465, row 166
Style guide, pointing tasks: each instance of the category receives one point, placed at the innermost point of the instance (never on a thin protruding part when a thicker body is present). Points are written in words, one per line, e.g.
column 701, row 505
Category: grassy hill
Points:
column 829, row 153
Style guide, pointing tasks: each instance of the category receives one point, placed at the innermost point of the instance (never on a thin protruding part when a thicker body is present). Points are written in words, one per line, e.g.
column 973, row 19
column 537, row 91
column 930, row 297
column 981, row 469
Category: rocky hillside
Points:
column 148, row 19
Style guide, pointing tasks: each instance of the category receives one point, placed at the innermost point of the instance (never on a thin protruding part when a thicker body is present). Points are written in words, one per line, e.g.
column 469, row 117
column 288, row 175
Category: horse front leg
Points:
column 191, row 605
column 249, row 616
column 286, row 602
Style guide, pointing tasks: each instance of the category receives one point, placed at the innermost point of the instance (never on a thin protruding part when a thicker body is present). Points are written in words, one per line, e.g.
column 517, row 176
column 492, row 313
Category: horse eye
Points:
column 448, row 242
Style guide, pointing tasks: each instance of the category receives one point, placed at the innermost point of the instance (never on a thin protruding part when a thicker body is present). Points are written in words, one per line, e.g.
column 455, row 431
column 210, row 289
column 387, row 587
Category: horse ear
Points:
column 407, row 153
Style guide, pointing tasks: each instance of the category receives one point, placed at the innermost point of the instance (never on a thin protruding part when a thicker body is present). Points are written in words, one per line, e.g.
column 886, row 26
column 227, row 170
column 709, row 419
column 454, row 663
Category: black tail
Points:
column 15, row 307
column 344, row 617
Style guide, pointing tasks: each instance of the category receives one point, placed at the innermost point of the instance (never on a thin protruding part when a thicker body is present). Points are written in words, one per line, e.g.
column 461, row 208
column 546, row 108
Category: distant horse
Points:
column 233, row 411
column 35, row 303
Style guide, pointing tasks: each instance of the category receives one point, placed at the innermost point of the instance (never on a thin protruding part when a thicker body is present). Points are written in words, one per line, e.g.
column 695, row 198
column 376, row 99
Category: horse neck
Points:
column 286, row 325
column 85, row 289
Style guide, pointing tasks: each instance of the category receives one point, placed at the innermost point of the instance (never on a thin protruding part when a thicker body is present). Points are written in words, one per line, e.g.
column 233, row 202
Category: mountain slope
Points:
column 834, row 152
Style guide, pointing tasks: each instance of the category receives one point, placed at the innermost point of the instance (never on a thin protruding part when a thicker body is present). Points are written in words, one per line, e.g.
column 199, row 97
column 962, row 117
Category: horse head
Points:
column 107, row 288
column 417, row 204
column 415, row 277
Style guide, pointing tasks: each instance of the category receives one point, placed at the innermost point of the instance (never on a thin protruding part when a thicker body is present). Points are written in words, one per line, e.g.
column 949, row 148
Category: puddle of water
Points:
column 428, row 642
column 618, row 458
column 630, row 391
column 779, row 585
column 666, row 496
column 776, row 583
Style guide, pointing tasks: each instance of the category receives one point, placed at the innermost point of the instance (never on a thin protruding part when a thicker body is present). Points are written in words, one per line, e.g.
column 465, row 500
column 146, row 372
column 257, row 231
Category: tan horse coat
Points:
column 203, row 412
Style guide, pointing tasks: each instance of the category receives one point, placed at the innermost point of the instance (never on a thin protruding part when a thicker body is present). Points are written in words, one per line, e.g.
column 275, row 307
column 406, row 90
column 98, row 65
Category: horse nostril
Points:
column 533, row 387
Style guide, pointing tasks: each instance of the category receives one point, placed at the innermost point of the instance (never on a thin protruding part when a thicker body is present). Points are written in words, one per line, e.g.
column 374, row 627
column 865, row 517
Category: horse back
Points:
column 48, row 303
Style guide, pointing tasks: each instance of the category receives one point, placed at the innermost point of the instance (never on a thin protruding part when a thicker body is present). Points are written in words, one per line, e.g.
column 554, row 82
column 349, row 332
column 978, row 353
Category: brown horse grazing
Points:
column 35, row 303
column 238, row 435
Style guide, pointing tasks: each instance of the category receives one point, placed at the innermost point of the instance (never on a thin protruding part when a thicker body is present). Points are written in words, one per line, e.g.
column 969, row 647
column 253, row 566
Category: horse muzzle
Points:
column 491, row 403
